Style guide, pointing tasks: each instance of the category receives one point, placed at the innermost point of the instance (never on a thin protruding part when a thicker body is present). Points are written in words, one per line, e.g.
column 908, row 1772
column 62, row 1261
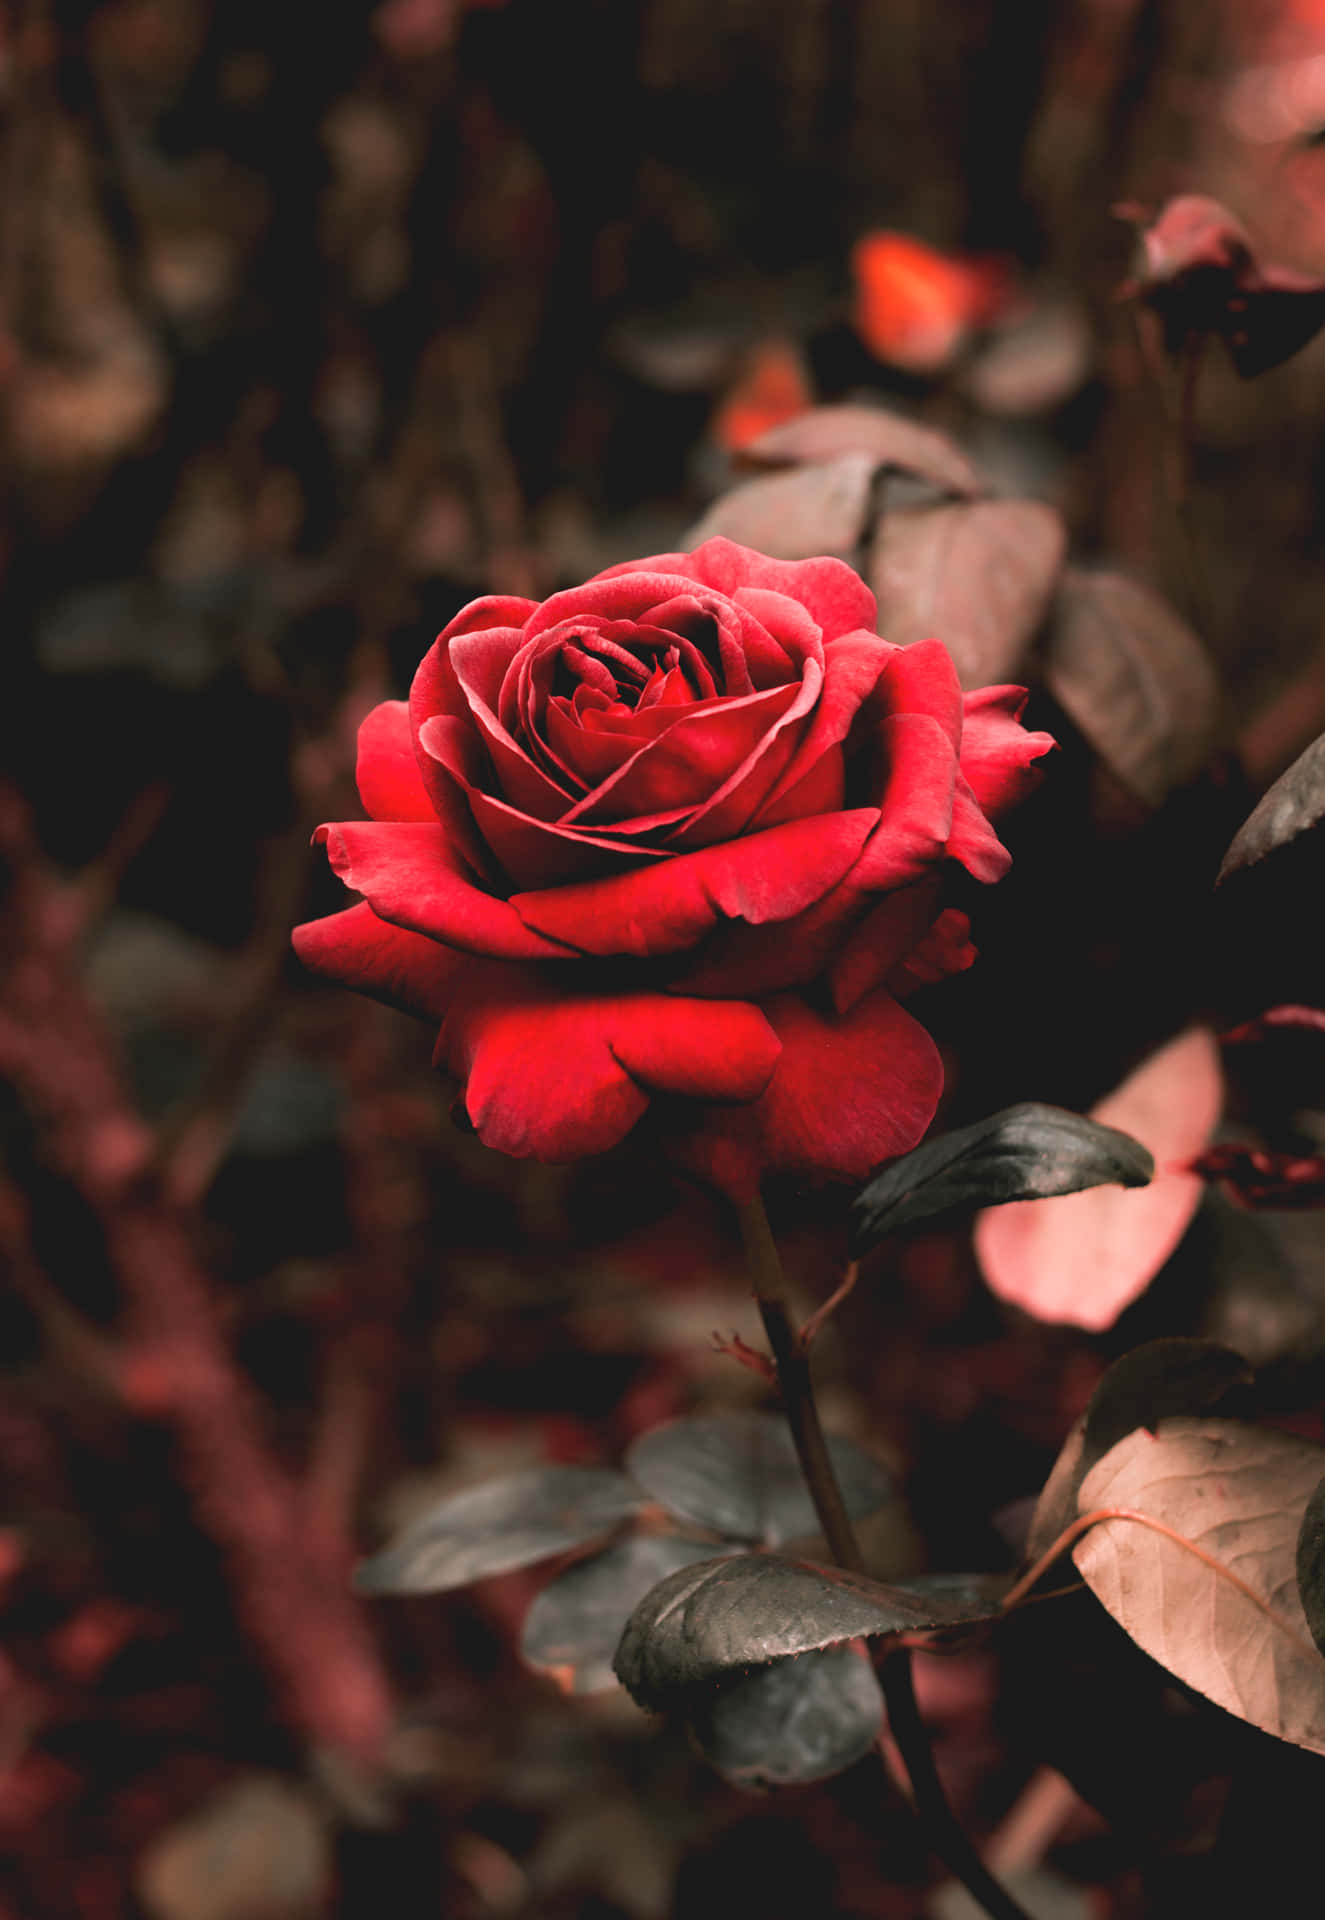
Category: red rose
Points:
column 677, row 832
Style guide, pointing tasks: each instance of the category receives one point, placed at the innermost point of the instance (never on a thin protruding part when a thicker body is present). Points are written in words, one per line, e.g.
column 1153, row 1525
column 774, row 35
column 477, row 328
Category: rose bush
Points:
column 677, row 836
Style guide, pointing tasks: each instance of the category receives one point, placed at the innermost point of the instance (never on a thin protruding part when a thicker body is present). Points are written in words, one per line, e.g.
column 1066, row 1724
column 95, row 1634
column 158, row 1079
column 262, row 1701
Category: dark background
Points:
column 315, row 323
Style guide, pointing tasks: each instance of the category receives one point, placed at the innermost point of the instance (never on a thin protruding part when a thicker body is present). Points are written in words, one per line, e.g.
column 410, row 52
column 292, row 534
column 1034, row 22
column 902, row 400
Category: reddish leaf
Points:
column 1307, row 1019
column 1259, row 1178
column 1200, row 274
column 1135, row 679
column 826, row 433
column 1034, row 365
column 977, row 576
column 915, row 305
column 1080, row 1258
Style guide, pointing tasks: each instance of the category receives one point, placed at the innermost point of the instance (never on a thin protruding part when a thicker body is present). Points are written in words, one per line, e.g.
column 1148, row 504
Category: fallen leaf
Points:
column 976, row 575
column 1238, row 1493
column 896, row 443
column 1135, row 679
column 798, row 515
column 1081, row 1258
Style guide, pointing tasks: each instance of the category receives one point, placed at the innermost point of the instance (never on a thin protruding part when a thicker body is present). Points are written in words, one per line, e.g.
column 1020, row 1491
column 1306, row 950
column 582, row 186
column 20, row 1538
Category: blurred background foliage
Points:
column 315, row 323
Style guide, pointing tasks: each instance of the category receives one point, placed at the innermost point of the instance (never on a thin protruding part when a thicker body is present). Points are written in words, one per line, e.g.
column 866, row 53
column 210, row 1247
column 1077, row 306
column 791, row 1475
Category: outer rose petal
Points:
column 997, row 751
column 408, row 876
column 387, row 774
column 358, row 950
column 916, row 811
column 973, row 841
column 555, row 1076
column 664, row 909
column 833, row 593
column 946, row 949
column 849, row 1091
column 883, row 939
column 921, row 678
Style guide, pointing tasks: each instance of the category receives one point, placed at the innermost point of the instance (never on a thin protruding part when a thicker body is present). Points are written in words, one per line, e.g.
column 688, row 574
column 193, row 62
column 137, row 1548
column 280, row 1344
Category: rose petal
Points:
column 998, row 754
column 739, row 958
column 434, row 693
column 922, row 678
column 481, row 662
column 555, row 1076
column 358, row 950
column 692, row 758
column 544, row 853
column 850, row 1090
column 664, row 909
column 916, row 812
column 883, row 939
column 973, row 841
column 387, row 774
column 832, row 593
column 408, row 874
column 946, row 949
column 853, row 665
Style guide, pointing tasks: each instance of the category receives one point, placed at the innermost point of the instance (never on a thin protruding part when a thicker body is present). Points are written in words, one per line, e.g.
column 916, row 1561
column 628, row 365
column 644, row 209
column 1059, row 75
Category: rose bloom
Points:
column 677, row 837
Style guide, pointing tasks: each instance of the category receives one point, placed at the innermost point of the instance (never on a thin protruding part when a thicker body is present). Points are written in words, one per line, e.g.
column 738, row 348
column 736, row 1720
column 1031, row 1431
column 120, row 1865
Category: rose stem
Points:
column 796, row 1387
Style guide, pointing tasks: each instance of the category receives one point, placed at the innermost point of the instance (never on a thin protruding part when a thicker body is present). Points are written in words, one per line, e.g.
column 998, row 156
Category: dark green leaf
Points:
column 1026, row 1152
column 1311, row 1565
column 573, row 1627
column 725, row 1615
column 1164, row 1380
column 1293, row 804
column 504, row 1524
column 792, row 1721
column 737, row 1473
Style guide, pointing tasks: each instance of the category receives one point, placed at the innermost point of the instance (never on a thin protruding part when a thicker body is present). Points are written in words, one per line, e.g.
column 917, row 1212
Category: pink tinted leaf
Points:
column 797, row 515
column 826, row 433
column 1079, row 1259
column 976, row 575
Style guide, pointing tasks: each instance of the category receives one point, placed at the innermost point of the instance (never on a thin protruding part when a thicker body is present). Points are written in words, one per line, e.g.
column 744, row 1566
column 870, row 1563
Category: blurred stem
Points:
column 796, row 1386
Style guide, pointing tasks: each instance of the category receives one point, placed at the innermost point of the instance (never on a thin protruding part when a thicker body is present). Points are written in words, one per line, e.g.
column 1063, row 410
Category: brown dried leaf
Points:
column 1239, row 1494
column 1080, row 1258
column 1034, row 366
column 1135, row 679
column 257, row 1851
column 826, row 433
column 977, row 576
column 796, row 515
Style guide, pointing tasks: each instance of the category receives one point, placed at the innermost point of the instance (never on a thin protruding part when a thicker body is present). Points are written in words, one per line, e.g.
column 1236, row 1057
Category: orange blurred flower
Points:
column 772, row 388
column 914, row 305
